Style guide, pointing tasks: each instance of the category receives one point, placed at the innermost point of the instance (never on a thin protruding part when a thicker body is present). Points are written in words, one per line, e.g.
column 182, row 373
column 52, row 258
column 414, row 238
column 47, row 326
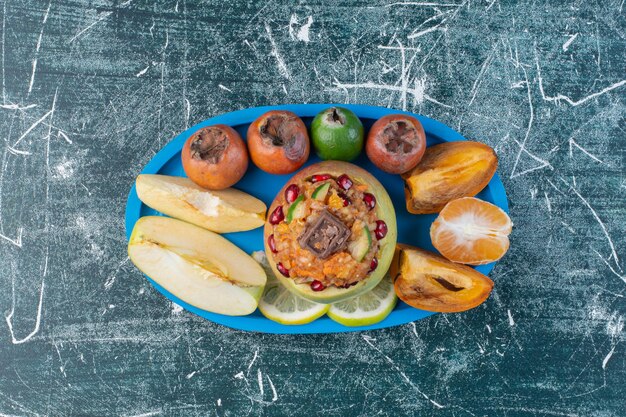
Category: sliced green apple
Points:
column 320, row 192
column 296, row 209
column 359, row 247
column 201, row 268
column 220, row 211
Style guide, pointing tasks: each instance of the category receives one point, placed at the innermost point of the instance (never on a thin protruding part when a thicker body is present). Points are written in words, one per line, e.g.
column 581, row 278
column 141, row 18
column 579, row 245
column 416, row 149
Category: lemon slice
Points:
column 282, row 306
column 368, row 308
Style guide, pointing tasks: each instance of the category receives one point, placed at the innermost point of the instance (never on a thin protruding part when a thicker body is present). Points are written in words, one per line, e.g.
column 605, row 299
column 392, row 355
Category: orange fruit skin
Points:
column 446, row 172
column 228, row 170
column 471, row 231
column 274, row 159
column 386, row 160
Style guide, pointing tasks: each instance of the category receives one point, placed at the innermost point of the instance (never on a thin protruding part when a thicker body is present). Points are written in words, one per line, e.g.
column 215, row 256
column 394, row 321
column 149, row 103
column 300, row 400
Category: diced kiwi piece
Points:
column 320, row 192
column 359, row 247
column 296, row 209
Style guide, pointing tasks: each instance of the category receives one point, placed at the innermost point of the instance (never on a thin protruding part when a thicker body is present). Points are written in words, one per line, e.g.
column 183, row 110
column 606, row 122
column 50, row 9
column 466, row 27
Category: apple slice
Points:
column 221, row 211
column 199, row 267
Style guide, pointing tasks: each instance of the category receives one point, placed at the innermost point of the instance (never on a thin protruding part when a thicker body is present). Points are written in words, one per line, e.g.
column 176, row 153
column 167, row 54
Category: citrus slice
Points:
column 366, row 309
column 282, row 306
column 471, row 231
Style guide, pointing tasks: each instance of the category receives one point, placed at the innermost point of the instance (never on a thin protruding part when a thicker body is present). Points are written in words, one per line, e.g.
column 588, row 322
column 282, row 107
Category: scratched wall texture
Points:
column 91, row 90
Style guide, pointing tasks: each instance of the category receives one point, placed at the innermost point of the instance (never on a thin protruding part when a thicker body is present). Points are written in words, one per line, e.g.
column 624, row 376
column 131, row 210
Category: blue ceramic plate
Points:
column 412, row 229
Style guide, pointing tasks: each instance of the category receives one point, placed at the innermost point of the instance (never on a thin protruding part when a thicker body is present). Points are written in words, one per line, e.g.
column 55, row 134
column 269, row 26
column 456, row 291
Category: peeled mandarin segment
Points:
column 446, row 172
column 471, row 231
column 464, row 210
column 430, row 282
column 491, row 249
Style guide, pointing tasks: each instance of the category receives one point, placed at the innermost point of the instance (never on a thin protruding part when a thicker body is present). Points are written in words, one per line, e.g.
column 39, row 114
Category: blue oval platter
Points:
column 412, row 229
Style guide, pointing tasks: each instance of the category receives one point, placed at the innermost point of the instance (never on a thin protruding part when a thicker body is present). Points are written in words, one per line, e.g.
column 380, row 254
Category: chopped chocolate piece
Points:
column 325, row 236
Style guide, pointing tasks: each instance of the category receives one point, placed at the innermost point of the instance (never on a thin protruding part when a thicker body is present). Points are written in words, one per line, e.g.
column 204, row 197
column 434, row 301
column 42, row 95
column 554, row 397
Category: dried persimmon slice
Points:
column 430, row 282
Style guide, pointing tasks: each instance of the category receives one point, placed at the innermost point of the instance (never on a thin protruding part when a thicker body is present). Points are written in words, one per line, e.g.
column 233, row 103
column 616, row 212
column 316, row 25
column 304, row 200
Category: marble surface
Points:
column 91, row 90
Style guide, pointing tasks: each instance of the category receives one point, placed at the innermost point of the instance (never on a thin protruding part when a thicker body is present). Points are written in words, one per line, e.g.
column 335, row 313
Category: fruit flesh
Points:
column 368, row 308
column 320, row 192
column 192, row 241
column 295, row 210
column 283, row 306
column 221, row 211
column 200, row 288
column 384, row 210
column 471, row 231
column 197, row 266
column 430, row 282
column 448, row 171
column 360, row 247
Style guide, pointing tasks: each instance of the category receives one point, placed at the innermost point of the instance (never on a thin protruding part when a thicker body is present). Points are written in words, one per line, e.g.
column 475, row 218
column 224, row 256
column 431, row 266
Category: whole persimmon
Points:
column 396, row 143
column 215, row 157
column 278, row 142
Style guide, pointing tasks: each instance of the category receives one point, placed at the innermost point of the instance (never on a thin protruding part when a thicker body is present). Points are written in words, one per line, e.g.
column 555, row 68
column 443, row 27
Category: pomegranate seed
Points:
column 281, row 268
column 277, row 215
column 317, row 286
column 346, row 200
column 381, row 229
column 271, row 243
column 373, row 264
column 291, row 193
column 320, row 177
column 370, row 200
column 344, row 182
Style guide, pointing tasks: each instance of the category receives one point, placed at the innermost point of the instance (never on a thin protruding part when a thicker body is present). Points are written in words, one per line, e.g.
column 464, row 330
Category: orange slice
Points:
column 471, row 231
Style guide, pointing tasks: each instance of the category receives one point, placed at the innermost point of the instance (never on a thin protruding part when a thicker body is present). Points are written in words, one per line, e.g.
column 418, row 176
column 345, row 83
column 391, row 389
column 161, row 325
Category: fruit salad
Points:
column 327, row 228
column 330, row 233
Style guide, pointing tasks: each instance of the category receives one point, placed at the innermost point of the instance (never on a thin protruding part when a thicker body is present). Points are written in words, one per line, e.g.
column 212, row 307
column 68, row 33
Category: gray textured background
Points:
column 92, row 90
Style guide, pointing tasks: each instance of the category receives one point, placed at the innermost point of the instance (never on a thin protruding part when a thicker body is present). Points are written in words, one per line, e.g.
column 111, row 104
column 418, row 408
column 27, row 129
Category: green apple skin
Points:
column 334, row 140
column 384, row 211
